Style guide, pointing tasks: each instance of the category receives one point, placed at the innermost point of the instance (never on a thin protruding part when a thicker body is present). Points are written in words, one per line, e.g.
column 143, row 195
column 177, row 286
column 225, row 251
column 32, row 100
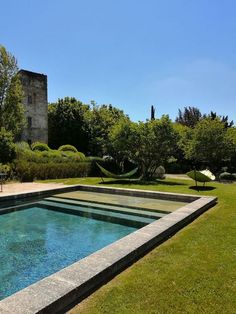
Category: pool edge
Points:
column 58, row 291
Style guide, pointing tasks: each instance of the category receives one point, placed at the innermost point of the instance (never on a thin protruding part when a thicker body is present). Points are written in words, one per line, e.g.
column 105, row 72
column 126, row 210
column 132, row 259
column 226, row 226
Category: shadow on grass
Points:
column 142, row 182
column 202, row 188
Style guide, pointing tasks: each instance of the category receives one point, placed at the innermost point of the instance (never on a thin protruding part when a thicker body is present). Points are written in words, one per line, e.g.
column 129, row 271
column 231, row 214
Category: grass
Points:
column 193, row 272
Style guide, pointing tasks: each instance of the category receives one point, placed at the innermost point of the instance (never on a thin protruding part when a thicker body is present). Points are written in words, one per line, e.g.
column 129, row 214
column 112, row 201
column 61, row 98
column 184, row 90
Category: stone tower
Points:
column 36, row 106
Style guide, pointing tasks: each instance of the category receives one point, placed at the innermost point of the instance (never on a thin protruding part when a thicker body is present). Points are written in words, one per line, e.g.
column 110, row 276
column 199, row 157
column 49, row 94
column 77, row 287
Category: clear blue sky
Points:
column 130, row 53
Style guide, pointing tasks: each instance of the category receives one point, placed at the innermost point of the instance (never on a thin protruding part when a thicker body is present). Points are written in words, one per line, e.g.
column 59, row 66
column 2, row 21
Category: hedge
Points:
column 29, row 171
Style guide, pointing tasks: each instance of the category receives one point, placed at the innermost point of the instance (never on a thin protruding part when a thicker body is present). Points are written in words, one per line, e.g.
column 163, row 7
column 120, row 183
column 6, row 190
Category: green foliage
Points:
column 6, row 169
column 148, row 144
column 209, row 143
column 68, row 148
column 223, row 119
column 7, row 147
column 78, row 156
column 22, row 146
column 44, row 163
column 29, row 171
column 101, row 120
column 190, row 116
column 67, row 123
column 94, row 158
column 11, row 94
column 46, row 156
column 37, row 146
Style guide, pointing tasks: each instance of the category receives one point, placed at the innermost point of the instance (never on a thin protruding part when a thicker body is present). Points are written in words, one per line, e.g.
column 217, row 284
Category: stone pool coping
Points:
column 63, row 289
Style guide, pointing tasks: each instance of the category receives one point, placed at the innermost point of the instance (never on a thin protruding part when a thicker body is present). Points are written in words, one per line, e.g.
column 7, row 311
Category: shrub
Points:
column 95, row 159
column 78, row 156
column 234, row 176
column 37, row 146
column 7, row 147
column 6, row 168
column 22, row 146
column 28, row 171
column 68, row 148
column 226, row 176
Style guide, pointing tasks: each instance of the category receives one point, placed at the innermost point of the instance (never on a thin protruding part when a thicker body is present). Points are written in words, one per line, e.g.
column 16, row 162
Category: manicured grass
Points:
column 193, row 272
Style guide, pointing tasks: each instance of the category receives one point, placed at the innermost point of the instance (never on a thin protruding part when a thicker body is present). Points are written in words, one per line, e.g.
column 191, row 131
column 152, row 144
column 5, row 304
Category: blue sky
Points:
column 130, row 53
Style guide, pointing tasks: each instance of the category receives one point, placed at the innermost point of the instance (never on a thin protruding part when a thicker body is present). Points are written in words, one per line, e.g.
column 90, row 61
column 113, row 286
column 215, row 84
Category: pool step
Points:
column 110, row 207
column 115, row 217
column 163, row 211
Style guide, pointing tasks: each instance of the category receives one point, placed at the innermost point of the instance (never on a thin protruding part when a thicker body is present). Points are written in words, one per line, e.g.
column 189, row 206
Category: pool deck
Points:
column 10, row 189
column 63, row 289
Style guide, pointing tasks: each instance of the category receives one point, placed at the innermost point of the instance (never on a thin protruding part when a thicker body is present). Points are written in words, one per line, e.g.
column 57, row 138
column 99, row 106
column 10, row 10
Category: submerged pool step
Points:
column 109, row 207
column 161, row 211
column 120, row 218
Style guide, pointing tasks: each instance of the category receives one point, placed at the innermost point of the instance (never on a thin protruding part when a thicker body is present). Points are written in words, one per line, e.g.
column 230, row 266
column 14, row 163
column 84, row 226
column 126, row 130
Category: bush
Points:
column 22, row 146
column 37, row 146
column 68, row 148
column 28, row 171
column 6, row 168
column 78, row 156
column 7, row 147
column 226, row 176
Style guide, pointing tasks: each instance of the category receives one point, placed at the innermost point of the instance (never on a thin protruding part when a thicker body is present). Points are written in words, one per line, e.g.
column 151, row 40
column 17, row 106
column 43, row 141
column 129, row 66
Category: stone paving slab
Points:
column 57, row 292
column 18, row 188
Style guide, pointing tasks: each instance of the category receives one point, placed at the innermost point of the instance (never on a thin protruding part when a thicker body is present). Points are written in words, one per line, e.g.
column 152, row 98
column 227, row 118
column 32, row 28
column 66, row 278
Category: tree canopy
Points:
column 67, row 123
column 101, row 119
column 148, row 144
column 11, row 94
column 190, row 116
column 210, row 143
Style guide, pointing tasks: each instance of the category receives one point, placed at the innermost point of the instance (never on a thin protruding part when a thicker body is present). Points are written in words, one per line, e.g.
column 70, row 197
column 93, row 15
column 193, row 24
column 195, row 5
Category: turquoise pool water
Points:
column 37, row 242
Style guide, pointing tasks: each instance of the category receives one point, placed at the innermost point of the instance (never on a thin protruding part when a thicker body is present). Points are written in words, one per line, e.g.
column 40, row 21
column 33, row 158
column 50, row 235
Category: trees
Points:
column 224, row 119
column 7, row 147
column 210, row 144
column 11, row 94
column 101, row 119
column 72, row 122
column 67, row 124
column 148, row 144
column 190, row 116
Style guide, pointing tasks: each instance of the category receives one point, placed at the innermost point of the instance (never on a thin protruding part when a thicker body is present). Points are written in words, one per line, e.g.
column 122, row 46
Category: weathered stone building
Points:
column 36, row 106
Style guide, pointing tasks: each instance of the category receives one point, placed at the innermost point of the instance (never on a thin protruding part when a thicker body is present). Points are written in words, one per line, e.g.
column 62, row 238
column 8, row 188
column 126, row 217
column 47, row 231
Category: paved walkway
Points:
column 18, row 188
column 177, row 176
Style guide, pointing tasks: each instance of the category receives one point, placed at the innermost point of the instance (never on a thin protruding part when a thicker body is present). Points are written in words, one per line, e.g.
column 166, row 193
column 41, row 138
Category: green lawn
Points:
column 193, row 272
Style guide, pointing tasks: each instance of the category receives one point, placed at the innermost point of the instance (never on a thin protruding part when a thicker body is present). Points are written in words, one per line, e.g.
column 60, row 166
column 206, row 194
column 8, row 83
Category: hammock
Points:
column 201, row 176
column 117, row 176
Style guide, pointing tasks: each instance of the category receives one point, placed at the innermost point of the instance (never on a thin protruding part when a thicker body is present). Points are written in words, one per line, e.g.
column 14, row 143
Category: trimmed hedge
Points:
column 37, row 146
column 68, row 148
column 29, row 171
column 78, row 156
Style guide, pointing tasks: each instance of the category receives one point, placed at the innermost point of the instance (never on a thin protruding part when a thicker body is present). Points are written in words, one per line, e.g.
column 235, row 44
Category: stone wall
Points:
column 36, row 106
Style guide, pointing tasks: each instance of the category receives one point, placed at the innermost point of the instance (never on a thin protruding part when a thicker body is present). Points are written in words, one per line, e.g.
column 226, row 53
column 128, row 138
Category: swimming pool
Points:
column 152, row 216
column 42, row 238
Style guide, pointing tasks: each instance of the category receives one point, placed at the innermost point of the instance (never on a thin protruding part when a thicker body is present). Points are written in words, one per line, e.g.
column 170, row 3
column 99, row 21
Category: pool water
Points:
column 36, row 242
